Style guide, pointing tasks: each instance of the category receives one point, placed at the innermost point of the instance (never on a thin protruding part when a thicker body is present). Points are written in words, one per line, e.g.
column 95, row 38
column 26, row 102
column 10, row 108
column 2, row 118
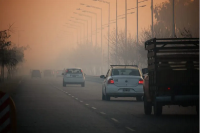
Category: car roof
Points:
column 74, row 68
column 124, row 67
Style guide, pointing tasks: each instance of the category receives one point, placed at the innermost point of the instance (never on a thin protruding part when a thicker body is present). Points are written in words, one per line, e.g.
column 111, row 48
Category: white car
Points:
column 73, row 76
column 123, row 81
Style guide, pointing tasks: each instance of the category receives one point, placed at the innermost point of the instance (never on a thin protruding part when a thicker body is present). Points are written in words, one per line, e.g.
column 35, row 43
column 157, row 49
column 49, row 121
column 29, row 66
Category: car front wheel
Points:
column 103, row 96
column 64, row 84
column 83, row 85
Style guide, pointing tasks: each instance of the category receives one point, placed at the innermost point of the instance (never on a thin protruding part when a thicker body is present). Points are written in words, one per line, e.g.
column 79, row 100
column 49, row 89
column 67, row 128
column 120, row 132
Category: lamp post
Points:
column 126, row 27
column 83, row 27
column 173, row 24
column 75, row 27
column 152, row 18
column 137, row 15
column 108, row 25
column 85, row 11
column 84, row 21
column 101, row 28
column 116, row 35
column 86, row 16
column 101, row 18
column 76, row 32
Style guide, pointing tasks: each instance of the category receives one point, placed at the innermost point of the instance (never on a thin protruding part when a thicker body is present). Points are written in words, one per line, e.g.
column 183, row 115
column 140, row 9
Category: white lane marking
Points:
column 94, row 108
column 72, row 96
column 81, row 101
column 86, row 104
column 69, row 94
column 130, row 129
column 66, row 92
column 76, row 98
column 103, row 113
column 114, row 119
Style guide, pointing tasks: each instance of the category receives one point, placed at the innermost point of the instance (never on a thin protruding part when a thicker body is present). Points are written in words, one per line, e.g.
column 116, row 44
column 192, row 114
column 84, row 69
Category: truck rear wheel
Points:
column 157, row 108
column 147, row 107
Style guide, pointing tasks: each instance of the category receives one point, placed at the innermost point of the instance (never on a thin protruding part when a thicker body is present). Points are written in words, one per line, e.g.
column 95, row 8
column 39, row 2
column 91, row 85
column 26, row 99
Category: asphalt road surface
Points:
column 44, row 106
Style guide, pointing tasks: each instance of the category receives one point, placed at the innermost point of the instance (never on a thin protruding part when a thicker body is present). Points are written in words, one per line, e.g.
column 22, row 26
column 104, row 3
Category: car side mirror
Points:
column 102, row 76
column 144, row 71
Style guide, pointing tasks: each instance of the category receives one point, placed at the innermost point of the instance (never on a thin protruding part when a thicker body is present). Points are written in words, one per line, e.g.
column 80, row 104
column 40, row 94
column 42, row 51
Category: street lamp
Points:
column 101, row 27
column 96, row 19
column 173, row 24
column 137, row 15
column 76, row 32
column 86, row 16
column 75, row 27
column 85, row 21
column 108, row 25
column 126, row 28
column 83, row 27
column 152, row 18
column 116, row 35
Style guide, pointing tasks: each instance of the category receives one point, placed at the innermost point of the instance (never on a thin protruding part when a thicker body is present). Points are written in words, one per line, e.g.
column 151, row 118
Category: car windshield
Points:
column 131, row 72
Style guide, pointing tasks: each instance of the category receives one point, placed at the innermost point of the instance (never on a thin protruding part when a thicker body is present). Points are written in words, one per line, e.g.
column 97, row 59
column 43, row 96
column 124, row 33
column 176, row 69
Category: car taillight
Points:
column 140, row 81
column 110, row 81
column 66, row 71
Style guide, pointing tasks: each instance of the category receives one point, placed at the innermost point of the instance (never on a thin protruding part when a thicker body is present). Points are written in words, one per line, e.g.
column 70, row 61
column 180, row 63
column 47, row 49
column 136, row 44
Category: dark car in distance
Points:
column 35, row 73
column 48, row 73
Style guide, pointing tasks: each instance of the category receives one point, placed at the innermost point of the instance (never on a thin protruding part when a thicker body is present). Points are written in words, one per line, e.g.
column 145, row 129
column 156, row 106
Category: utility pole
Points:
column 126, row 25
column 108, row 35
column 116, row 35
column 173, row 24
column 152, row 18
column 137, row 19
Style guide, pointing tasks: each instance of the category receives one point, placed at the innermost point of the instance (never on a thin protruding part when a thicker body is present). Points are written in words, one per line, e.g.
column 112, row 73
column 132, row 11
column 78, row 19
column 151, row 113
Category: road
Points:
column 44, row 106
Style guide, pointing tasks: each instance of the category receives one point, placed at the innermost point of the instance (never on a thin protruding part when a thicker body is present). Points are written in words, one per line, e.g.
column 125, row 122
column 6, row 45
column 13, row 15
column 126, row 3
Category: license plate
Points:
column 73, row 75
column 126, row 89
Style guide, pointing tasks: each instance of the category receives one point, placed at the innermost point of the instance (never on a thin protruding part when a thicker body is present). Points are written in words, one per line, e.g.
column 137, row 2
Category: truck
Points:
column 172, row 75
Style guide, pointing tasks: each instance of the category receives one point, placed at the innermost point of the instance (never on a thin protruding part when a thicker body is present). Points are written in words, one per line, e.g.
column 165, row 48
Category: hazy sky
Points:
column 41, row 23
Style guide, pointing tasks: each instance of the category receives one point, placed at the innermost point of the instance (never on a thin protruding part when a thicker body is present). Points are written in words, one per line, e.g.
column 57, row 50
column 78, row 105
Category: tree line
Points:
column 10, row 55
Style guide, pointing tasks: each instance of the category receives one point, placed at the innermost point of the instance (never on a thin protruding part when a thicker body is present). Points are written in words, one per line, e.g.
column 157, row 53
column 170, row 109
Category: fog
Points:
column 46, row 28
